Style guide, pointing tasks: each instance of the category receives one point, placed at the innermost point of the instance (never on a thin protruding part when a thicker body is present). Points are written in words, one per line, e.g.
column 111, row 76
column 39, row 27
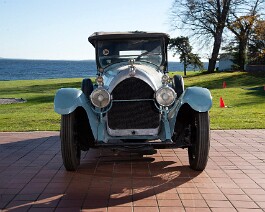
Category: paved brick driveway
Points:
column 32, row 177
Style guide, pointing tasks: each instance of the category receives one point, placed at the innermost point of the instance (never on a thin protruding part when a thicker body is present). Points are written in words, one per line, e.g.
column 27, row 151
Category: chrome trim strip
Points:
column 133, row 100
column 132, row 132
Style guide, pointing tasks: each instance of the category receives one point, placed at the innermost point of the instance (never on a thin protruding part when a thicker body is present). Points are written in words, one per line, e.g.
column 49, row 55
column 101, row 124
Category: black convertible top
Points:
column 126, row 35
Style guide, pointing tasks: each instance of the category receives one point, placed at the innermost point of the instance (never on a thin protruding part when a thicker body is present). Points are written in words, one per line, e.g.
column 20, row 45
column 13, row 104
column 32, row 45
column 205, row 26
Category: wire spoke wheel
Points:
column 199, row 151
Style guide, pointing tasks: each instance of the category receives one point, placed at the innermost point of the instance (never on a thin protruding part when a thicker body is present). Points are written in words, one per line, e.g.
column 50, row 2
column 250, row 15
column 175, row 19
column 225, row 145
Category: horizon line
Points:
column 4, row 58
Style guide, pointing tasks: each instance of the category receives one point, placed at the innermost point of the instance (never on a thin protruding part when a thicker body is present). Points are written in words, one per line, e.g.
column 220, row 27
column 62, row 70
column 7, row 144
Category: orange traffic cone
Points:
column 222, row 104
column 224, row 84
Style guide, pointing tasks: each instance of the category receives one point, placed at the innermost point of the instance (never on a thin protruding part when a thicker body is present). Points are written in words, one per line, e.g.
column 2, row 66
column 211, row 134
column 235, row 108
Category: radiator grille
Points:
column 134, row 114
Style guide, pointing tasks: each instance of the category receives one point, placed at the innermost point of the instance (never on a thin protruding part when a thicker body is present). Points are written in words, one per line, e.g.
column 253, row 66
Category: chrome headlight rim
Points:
column 100, row 98
column 165, row 96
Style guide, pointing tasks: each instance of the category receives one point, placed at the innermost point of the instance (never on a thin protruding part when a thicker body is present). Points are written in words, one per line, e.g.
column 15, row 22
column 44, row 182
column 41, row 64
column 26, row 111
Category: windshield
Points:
column 116, row 51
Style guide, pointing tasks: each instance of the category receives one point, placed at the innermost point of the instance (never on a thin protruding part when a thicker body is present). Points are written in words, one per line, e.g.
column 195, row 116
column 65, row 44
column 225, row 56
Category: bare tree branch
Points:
column 206, row 20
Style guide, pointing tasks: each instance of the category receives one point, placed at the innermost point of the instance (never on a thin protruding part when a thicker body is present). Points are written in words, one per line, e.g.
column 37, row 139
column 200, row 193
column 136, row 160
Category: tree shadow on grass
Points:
column 39, row 89
column 233, row 81
column 257, row 91
column 41, row 99
column 37, row 94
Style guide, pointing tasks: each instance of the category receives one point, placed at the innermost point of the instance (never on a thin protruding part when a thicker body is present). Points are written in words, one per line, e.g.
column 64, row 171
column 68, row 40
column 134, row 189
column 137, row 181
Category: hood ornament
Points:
column 132, row 68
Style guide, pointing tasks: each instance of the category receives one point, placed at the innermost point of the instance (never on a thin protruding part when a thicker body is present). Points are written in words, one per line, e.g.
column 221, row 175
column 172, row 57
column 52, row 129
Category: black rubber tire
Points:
column 87, row 87
column 84, row 132
column 199, row 151
column 70, row 149
column 178, row 84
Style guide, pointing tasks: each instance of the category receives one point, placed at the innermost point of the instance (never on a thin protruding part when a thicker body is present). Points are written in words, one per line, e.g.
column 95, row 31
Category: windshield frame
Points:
column 162, row 46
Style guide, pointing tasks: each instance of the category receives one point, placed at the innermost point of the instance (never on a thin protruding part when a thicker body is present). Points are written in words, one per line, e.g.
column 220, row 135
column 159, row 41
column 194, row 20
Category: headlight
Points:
column 165, row 96
column 100, row 98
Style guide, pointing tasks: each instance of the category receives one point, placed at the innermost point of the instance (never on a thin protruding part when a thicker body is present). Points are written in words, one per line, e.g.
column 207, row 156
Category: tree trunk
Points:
column 185, row 67
column 215, row 52
column 185, row 71
column 242, row 57
column 221, row 16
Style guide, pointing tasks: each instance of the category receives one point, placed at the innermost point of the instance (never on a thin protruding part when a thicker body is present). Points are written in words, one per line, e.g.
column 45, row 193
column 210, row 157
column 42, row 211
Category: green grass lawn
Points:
column 244, row 97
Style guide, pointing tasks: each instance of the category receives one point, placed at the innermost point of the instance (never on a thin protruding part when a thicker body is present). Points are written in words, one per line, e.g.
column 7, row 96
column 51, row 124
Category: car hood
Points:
column 114, row 74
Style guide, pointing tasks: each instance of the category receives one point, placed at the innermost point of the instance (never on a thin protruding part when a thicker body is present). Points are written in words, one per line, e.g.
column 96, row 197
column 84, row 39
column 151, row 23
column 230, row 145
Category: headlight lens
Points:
column 100, row 98
column 165, row 96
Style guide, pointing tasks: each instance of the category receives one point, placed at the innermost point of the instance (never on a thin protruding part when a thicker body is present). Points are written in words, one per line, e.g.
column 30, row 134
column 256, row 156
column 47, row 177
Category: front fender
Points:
column 200, row 99
column 68, row 99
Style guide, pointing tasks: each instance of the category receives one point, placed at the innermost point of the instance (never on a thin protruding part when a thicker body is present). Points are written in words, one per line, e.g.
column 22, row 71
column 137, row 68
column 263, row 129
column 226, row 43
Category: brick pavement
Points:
column 32, row 177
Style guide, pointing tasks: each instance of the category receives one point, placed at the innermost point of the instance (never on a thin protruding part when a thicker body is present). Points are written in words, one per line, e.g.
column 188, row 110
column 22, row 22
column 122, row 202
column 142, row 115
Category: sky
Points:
column 58, row 29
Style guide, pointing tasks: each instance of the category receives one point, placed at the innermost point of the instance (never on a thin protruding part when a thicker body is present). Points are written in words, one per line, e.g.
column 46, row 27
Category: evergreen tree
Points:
column 181, row 46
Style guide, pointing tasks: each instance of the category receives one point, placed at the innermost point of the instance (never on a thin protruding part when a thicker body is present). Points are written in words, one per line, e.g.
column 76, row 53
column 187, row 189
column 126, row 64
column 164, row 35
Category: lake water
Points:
column 12, row 69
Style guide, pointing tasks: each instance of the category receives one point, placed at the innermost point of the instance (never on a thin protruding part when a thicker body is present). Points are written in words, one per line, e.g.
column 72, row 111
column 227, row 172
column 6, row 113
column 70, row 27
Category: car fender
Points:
column 67, row 100
column 199, row 99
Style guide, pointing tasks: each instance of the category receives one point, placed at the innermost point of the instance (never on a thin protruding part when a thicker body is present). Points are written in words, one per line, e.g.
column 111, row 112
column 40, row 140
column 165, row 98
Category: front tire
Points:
column 199, row 151
column 69, row 144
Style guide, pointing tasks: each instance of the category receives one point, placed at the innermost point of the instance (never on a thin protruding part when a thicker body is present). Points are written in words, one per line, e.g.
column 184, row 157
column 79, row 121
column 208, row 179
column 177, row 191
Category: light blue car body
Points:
column 68, row 99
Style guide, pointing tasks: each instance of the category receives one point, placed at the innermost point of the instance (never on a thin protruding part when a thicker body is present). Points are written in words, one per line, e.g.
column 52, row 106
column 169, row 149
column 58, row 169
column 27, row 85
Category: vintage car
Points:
column 134, row 105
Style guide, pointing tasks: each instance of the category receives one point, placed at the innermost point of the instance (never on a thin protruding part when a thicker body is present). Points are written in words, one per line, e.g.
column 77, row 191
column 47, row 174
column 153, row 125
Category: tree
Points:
column 256, row 45
column 232, row 49
column 206, row 18
column 242, row 27
column 254, row 52
column 181, row 46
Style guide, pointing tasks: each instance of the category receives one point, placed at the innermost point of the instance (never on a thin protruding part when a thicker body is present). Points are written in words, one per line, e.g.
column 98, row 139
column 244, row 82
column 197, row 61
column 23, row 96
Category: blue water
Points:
column 11, row 69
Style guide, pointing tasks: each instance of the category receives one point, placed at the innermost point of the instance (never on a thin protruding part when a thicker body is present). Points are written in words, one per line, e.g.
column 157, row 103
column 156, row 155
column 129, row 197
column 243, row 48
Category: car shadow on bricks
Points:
column 32, row 176
column 128, row 179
